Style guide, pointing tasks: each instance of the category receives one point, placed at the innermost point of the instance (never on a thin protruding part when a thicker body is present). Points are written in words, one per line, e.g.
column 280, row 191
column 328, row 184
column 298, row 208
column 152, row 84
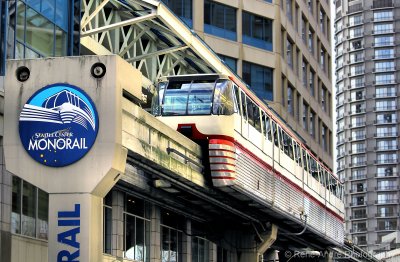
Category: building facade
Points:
column 282, row 50
column 366, row 44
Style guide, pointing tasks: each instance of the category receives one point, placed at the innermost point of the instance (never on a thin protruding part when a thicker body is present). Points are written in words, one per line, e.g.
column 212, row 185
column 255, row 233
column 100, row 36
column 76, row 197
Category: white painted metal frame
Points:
column 148, row 35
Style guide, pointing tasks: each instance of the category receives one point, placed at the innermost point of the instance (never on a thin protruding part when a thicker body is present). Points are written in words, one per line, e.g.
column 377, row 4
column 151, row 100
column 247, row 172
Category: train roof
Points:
column 201, row 77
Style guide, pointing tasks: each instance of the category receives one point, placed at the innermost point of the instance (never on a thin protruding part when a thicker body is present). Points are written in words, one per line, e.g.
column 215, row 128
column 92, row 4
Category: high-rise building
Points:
column 367, row 111
column 282, row 50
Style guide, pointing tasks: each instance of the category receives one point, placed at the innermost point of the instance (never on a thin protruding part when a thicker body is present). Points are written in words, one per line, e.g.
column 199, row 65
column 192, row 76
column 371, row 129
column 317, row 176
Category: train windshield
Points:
column 194, row 98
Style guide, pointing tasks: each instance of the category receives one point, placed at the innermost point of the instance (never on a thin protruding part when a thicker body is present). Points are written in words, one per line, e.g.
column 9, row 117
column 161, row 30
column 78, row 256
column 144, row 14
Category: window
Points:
column 171, row 237
column 30, row 210
column 383, row 41
column 40, row 30
column 387, row 198
column 200, row 249
column 312, row 123
column 220, row 20
column 182, row 8
column 383, row 15
column 386, row 131
column 387, row 158
column 356, row 57
column 357, row 121
column 230, row 62
column 357, row 82
column 357, row 69
column 304, row 70
column 290, row 100
column 358, row 134
column 389, row 224
column 381, row 79
column 289, row 6
column 384, row 66
column 383, row 28
column 304, row 29
column 356, row 32
column 137, row 229
column 358, row 148
column 322, row 18
column 305, row 115
column 289, row 52
column 386, row 118
column 355, row 19
column 107, row 226
column 257, row 31
column 384, row 53
column 312, row 82
column 386, row 145
column 386, row 171
column 322, row 59
column 260, row 79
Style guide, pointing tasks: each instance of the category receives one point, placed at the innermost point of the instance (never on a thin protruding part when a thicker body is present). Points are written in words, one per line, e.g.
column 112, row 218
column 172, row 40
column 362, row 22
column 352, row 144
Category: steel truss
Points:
column 149, row 36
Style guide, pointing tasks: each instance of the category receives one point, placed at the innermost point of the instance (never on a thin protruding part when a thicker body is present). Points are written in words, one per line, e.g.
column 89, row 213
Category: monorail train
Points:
column 250, row 150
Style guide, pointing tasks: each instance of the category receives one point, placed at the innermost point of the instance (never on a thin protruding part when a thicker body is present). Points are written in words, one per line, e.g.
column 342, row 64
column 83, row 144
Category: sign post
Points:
column 66, row 138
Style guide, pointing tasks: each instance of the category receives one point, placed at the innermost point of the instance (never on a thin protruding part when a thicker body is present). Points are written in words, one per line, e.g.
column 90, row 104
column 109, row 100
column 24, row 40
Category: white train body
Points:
column 251, row 152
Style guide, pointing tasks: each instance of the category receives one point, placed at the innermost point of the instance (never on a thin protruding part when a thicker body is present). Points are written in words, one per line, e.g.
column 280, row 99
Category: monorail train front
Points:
column 202, row 107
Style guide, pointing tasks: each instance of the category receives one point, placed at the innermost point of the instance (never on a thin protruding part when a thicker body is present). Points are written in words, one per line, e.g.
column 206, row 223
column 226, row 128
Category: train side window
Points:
column 275, row 133
column 236, row 97
column 223, row 100
column 298, row 154
column 243, row 102
column 313, row 168
column 305, row 160
column 268, row 127
column 290, row 145
column 280, row 135
column 256, row 117
column 250, row 111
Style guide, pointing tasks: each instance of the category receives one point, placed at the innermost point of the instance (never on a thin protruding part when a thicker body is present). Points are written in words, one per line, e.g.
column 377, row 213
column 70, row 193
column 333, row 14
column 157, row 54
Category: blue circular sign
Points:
column 58, row 125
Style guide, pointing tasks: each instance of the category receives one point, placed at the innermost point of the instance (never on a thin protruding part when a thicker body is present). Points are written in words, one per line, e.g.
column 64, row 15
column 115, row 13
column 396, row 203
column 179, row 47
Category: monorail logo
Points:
column 58, row 125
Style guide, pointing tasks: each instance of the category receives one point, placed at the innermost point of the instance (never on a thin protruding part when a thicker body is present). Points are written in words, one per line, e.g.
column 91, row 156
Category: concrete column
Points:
column 155, row 245
column 75, row 227
column 213, row 252
column 117, row 223
column 5, row 210
column 187, row 242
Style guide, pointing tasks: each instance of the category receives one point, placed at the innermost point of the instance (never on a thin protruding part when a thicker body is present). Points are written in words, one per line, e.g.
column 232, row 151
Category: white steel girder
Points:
column 148, row 35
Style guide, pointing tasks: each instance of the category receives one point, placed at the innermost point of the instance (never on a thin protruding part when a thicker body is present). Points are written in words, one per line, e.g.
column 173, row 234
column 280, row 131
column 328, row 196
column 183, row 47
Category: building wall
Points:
column 366, row 43
column 312, row 106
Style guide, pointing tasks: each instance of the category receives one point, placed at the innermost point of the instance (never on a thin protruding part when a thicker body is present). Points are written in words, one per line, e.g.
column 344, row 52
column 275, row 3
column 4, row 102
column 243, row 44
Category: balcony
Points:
column 358, row 230
column 386, row 215
column 387, row 188
column 358, row 203
column 355, row 8
column 387, row 134
column 358, row 111
column 385, row 43
column 386, row 148
column 358, row 177
column 386, row 175
column 357, row 124
column 385, row 95
column 357, row 137
column 358, row 216
column 358, row 151
column 384, row 69
column 358, row 190
column 358, row 164
column 385, row 161
column 384, row 122
column 386, row 201
column 389, row 56
column 385, row 108
column 386, row 228
column 382, row 4
column 382, row 31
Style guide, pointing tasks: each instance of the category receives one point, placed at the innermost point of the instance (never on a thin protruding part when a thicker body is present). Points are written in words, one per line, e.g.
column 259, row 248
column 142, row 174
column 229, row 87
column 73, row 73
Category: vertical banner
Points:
column 75, row 226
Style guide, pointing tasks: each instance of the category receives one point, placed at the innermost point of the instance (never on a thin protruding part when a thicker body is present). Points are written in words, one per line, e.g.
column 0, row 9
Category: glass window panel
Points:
column 16, row 206
column 134, row 205
column 34, row 4
column 48, row 9
column 107, row 230
column 39, row 33
column 61, row 42
column 20, row 22
column 60, row 18
column 130, row 241
column 43, row 214
column 28, row 209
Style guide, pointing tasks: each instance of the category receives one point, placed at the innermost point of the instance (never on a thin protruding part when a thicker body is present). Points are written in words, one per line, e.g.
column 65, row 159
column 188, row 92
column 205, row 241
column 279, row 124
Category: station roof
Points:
column 147, row 34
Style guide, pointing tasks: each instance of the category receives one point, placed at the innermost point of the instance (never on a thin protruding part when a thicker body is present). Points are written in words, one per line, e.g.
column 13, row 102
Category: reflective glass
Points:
column 61, row 42
column 39, row 33
column 16, row 206
column 20, row 22
column 43, row 214
column 28, row 209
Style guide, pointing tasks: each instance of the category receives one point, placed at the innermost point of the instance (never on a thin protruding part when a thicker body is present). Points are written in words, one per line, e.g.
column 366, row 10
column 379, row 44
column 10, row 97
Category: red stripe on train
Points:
column 224, row 177
column 221, row 142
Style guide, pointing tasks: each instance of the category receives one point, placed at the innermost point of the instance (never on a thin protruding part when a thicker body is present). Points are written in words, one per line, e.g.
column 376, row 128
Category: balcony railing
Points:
column 386, row 94
column 358, row 177
column 385, row 161
column 386, row 201
column 387, row 214
column 358, row 203
column 358, row 216
column 385, row 108
column 382, row 3
column 386, row 148
column 386, row 188
column 386, row 134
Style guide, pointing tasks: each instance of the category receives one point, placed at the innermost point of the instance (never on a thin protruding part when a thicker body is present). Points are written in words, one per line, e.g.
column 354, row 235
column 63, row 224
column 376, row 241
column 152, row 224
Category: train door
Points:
column 299, row 164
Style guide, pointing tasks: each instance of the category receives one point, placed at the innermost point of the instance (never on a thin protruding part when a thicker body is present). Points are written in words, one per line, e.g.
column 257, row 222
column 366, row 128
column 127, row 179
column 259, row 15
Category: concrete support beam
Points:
column 269, row 239
column 155, row 234
column 5, row 209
